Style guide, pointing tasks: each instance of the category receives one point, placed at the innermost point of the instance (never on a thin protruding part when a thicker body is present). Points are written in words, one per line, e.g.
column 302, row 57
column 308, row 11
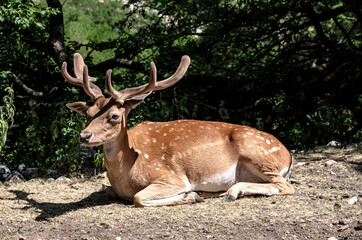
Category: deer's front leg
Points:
column 165, row 195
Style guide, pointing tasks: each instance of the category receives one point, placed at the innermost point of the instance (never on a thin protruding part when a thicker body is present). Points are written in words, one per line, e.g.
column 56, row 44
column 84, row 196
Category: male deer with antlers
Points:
column 171, row 163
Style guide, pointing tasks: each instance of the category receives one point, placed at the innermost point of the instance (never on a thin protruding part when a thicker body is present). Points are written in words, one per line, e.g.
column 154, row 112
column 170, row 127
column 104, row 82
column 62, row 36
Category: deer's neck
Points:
column 118, row 156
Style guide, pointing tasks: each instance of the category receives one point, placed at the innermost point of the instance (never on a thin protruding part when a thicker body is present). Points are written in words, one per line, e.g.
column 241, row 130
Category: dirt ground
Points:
column 78, row 209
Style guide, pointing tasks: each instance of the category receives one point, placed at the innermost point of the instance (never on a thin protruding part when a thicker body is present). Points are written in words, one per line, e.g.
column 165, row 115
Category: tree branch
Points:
column 26, row 88
column 345, row 33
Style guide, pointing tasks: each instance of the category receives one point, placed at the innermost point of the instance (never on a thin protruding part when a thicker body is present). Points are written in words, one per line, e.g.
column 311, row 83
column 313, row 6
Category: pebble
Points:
column 334, row 144
column 353, row 200
column 62, row 179
column 301, row 163
column 332, row 238
column 329, row 163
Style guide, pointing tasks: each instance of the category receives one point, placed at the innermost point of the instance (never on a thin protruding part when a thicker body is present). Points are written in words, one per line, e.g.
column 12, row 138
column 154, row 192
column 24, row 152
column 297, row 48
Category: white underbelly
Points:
column 218, row 182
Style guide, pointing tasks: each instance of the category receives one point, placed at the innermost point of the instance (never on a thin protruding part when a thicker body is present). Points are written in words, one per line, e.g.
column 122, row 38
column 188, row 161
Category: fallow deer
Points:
column 178, row 162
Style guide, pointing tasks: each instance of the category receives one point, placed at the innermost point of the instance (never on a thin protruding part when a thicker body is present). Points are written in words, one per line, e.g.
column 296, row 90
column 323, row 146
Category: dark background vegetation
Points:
column 291, row 68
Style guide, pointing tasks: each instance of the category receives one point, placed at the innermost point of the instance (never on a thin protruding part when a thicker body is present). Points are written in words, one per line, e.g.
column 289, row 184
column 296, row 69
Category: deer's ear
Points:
column 135, row 101
column 79, row 107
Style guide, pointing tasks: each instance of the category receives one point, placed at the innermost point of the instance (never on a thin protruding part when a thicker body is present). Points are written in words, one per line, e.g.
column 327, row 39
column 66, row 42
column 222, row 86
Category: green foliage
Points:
column 7, row 112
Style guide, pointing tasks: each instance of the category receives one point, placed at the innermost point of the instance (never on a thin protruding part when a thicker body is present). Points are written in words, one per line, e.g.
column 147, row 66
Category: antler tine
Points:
column 92, row 90
column 135, row 91
column 180, row 72
column 78, row 71
column 152, row 85
column 113, row 92
column 69, row 78
column 78, row 67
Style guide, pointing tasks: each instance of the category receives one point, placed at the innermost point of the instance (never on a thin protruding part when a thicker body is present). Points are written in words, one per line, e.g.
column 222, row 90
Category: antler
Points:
column 82, row 78
column 152, row 85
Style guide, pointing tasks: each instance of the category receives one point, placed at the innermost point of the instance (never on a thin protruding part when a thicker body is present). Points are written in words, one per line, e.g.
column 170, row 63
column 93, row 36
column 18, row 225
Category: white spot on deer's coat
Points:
column 274, row 149
column 157, row 168
column 154, row 140
column 163, row 157
column 165, row 134
column 266, row 152
column 172, row 172
column 250, row 133
column 267, row 141
column 173, row 158
column 261, row 138
column 146, row 156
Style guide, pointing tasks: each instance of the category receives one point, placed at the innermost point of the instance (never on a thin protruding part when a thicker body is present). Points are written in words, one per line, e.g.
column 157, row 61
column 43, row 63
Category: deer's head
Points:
column 107, row 116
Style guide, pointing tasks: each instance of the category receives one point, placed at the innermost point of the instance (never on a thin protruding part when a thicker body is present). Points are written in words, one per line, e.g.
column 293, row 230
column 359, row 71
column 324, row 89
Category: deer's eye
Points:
column 115, row 117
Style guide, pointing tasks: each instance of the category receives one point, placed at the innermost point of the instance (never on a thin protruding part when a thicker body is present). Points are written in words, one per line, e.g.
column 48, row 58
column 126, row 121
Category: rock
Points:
column 329, row 163
column 30, row 173
column 351, row 146
column 332, row 238
column 302, row 163
column 21, row 167
column 353, row 200
column 51, row 180
column 334, row 144
column 4, row 171
column 342, row 228
column 62, row 179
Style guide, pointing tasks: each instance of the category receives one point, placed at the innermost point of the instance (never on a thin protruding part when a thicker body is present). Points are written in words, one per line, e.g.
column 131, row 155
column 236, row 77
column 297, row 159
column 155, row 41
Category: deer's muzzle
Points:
column 85, row 136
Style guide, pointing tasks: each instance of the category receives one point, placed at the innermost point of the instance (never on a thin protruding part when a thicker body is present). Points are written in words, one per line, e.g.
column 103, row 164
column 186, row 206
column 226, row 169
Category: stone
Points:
column 62, row 179
column 4, row 171
column 334, row 144
column 353, row 200
column 30, row 173
column 351, row 146
column 329, row 163
column 302, row 163
column 21, row 167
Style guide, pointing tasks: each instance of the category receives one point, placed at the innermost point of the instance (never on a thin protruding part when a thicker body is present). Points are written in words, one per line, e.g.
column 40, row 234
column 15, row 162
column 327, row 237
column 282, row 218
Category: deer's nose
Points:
column 85, row 136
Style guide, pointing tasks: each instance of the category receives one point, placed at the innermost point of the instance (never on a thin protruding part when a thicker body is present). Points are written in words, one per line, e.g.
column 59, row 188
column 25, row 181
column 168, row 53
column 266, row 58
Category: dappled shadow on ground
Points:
column 51, row 210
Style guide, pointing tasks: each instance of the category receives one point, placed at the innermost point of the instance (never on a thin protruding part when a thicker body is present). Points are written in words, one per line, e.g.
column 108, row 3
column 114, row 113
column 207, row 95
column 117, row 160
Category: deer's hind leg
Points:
column 277, row 185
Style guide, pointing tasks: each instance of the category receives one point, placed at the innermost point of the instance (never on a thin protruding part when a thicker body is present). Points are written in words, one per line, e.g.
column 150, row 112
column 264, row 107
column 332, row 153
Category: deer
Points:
column 176, row 162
